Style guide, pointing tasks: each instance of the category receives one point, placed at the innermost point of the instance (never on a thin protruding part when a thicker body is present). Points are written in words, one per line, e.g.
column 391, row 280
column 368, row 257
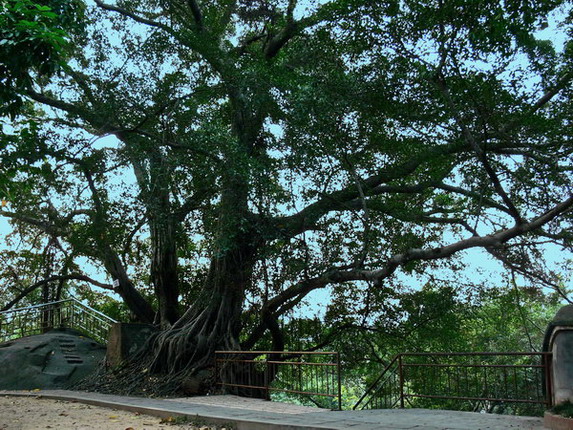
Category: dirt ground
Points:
column 35, row 413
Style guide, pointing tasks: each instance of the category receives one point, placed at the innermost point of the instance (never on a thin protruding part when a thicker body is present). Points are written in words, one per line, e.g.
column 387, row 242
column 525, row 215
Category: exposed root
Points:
column 179, row 360
column 134, row 378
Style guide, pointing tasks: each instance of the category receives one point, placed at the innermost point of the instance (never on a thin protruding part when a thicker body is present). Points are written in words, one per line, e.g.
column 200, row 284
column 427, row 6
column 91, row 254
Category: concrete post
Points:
column 125, row 339
column 559, row 341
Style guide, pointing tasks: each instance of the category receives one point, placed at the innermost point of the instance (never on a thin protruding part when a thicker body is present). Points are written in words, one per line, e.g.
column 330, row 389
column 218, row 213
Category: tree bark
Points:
column 213, row 322
column 164, row 268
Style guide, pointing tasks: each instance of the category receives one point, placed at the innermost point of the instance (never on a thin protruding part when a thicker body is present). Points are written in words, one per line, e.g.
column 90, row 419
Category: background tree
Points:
column 280, row 147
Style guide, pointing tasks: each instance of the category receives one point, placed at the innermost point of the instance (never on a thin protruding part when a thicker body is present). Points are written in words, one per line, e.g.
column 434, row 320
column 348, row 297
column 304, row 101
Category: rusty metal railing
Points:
column 308, row 375
column 479, row 381
column 69, row 313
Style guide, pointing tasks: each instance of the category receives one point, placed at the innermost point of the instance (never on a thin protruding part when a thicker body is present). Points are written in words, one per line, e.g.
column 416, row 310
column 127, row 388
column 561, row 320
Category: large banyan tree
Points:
column 222, row 159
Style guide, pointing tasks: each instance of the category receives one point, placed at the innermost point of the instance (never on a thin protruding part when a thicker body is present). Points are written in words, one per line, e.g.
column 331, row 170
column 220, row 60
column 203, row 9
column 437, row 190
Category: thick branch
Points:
column 45, row 226
column 133, row 16
column 197, row 15
column 305, row 219
column 276, row 43
column 58, row 104
column 336, row 276
column 494, row 239
column 326, row 12
column 101, row 125
column 543, row 100
column 38, row 284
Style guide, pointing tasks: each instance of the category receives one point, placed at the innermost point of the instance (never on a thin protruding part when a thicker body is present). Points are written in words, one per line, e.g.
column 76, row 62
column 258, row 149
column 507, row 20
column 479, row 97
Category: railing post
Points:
column 267, row 378
column 339, row 381
column 72, row 310
column 401, row 375
column 216, row 370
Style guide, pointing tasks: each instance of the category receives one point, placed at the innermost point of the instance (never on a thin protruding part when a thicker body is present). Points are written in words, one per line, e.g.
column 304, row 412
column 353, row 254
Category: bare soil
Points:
column 35, row 413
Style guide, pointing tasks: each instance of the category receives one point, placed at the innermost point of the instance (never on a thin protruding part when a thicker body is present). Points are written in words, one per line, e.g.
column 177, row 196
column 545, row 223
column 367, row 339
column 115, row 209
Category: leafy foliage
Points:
column 220, row 161
column 34, row 43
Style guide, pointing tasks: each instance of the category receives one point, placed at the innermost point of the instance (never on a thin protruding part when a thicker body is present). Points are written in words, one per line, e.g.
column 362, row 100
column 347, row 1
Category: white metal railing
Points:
column 69, row 313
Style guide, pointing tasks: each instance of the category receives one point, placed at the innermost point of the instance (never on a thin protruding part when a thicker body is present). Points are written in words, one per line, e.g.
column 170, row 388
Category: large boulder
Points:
column 56, row 359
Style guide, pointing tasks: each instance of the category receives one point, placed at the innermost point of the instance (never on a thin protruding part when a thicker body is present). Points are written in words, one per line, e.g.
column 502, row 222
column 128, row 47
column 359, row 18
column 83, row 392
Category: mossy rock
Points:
column 54, row 360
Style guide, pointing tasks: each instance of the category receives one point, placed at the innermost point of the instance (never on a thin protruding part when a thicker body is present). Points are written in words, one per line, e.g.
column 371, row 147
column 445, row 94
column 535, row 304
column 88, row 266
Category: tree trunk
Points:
column 213, row 322
column 164, row 269
column 163, row 225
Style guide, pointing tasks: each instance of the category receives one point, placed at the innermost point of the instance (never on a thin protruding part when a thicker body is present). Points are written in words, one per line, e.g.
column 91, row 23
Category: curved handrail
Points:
column 72, row 313
column 95, row 311
column 71, row 299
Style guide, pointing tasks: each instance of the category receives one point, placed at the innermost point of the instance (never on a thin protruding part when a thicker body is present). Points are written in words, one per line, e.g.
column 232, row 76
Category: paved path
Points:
column 249, row 414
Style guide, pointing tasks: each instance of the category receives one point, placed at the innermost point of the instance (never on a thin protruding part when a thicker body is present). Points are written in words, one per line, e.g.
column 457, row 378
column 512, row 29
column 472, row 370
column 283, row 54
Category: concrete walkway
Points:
column 250, row 414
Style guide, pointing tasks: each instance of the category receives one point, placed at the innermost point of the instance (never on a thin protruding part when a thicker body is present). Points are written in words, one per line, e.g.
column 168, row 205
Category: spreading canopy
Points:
column 236, row 155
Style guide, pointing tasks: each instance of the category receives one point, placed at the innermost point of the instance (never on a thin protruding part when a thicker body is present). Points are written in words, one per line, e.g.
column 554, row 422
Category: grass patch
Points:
column 175, row 420
column 195, row 423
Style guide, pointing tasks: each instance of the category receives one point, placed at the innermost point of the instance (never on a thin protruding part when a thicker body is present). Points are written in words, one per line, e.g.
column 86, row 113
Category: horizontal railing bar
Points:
column 303, row 363
column 279, row 352
column 35, row 306
column 490, row 399
column 298, row 363
column 226, row 384
column 527, row 366
column 308, row 393
column 471, row 354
